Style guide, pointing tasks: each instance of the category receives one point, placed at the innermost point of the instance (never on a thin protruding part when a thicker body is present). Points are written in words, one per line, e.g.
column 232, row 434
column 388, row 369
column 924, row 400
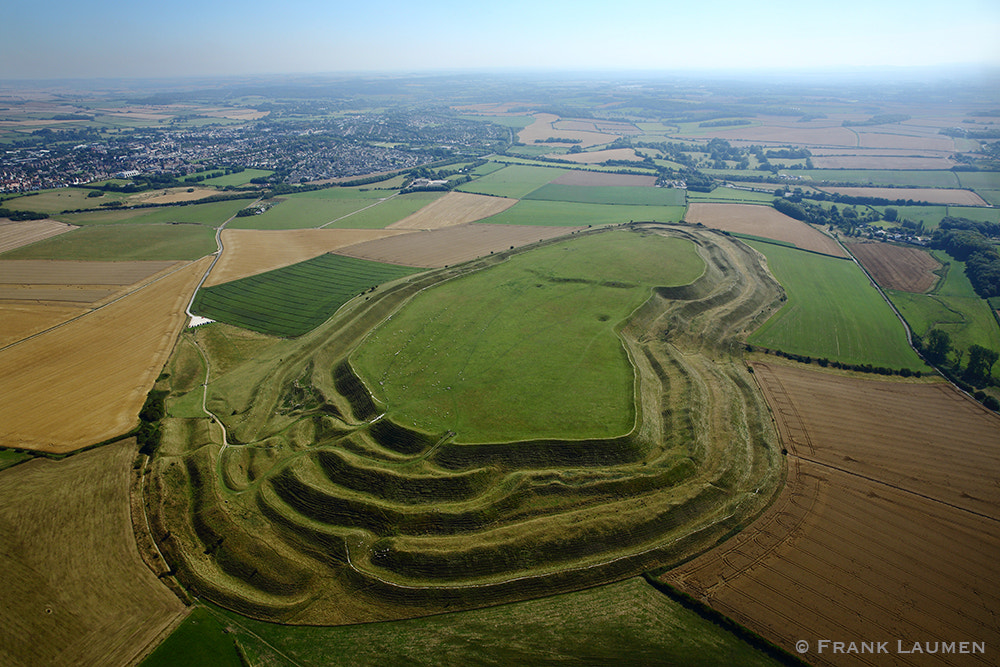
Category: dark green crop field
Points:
column 292, row 300
column 609, row 195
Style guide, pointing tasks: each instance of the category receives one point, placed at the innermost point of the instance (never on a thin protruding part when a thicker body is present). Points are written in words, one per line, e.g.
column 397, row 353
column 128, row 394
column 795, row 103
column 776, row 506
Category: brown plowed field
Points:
column 75, row 591
column 887, row 528
column 763, row 221
column 16, row 234
column 451, row 245
column 542, row 129
column 250, row 251
column 932, row 195
column 898, row 267
column 455, row 208
column 85, row 381
column 22, row 320
column 599, row 156
column 599, row 178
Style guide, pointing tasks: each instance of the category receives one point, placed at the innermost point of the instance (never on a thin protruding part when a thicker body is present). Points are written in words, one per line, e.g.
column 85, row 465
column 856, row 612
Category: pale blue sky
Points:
column 59, row 38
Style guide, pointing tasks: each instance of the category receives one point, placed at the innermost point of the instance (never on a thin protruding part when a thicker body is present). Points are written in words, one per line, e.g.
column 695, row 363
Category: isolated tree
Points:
column 980, row 366
column 890, row 214
column 937, row 345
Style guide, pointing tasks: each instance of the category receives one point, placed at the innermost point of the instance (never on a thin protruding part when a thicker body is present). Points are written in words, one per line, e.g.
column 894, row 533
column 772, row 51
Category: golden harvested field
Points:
column 16, row 234
column 172, row 195
column 600, row 156
column 75, row 282
column 898, row 267
column 451, row 245
column 887, row 529
column 881, row 162
column 932, row 195
column 543, row 128
column 22, row 320
column 608, row 126
column 455, row 208
column 75, row 589
column 251, row 251
column 784, row 131
column 763, row 221
column 598, row 178
column 85, row 381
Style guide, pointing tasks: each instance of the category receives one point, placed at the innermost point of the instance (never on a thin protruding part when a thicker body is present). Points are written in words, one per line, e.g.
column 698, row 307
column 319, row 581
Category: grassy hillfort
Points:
column 669, row 371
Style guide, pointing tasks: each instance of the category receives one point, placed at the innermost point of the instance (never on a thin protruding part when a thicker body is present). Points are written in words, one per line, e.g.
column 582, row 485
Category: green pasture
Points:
column 572, row 214
column 294, row 299
column 730, row 195
column 516, row 122
column 212, row 214
column 832, row 311
column 123, row 243
column 638, row 196
column 953, row 306
column 514, row 180
column 60, row 199
column 979, row 180
column 10, row 458
column 528, row 348
column 991, row 196
column 488, row 168
column 535, row 150
column 200, row 640
column 312, row 209
column 886, row 177
column 625, row 623
column 241, row 178
column 387, row 212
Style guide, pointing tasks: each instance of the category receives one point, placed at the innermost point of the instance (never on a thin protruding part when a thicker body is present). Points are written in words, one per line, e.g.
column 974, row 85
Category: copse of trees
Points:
column 961, row 239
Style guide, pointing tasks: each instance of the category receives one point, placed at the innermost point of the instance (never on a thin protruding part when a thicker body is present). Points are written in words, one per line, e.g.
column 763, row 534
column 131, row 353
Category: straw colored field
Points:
column 451, row 245
column 85, row 381
column 785, row 131
column 932, row 195
column 25, row 232
column 897, row 267
column 75, row 590
column 599, row 179
column 251, row 251
column 885, row 531
column 600, row 156
column 172, row 196
column 455, row 208
column 763, row 221
column 881, row 162
column 23, row 320
column 543, row 129
column 611, row 126
column 78, row 282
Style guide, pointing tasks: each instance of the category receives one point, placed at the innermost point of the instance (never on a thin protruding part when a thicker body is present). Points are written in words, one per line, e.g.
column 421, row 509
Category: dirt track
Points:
column 887, row 529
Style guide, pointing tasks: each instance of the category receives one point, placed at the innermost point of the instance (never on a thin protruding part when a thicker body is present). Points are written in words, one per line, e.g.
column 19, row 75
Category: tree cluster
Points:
column 982, row 260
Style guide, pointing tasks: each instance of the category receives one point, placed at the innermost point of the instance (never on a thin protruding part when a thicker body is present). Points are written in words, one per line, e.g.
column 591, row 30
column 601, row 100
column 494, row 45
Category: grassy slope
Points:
column 200, row 640
column 572, row 214
column 832, row 311
column 526, row 349
column 624, row 623
column 294, row 299
column 123, row 243
column 512, row 181
column 953, row 306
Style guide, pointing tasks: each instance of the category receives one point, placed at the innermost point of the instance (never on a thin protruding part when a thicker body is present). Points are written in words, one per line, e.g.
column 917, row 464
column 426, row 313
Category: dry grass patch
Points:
column 763, row 221
column 22, row 320
column 897, row 267
column 455, row 208
column 172, row 195
column 85, row 381
column 248, row 252
column 932, row 195
column 75, row 589
column 452, row 245
column 16, row 234
column 543, row 129
column 76, row 282
column 596, row 157
column 887, row 527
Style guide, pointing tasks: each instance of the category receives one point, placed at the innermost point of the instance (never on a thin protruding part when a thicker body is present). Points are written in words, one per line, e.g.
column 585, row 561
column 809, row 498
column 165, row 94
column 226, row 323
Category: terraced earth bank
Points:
column 322, row 505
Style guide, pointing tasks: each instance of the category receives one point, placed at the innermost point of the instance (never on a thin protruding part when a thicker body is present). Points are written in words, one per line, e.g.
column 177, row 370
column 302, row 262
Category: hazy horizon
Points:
column 56, row 39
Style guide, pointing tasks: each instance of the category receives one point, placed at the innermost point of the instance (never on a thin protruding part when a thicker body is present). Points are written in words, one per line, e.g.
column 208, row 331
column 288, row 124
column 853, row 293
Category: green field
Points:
column 474, row 355
column 200, row 640
column 60, row 199
column 212, row 214
column 515, row 180
column 832, row 312
column 571, row 214
column 979, row 180
column 351, row 207
column 637, row 196
column 900, row 177
column 123, row 243
column 730, row 195
column 953, row 307
column 10, row 458
column 240, row 178
column 292, row 300
column 626, row 623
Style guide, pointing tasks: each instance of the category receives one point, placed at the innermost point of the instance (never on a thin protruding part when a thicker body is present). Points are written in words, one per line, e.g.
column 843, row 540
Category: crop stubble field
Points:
column 898, row 267
column 16, row 234
column 886, row 529
column 85, row 381
column 455, row 208
column 763, row 221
